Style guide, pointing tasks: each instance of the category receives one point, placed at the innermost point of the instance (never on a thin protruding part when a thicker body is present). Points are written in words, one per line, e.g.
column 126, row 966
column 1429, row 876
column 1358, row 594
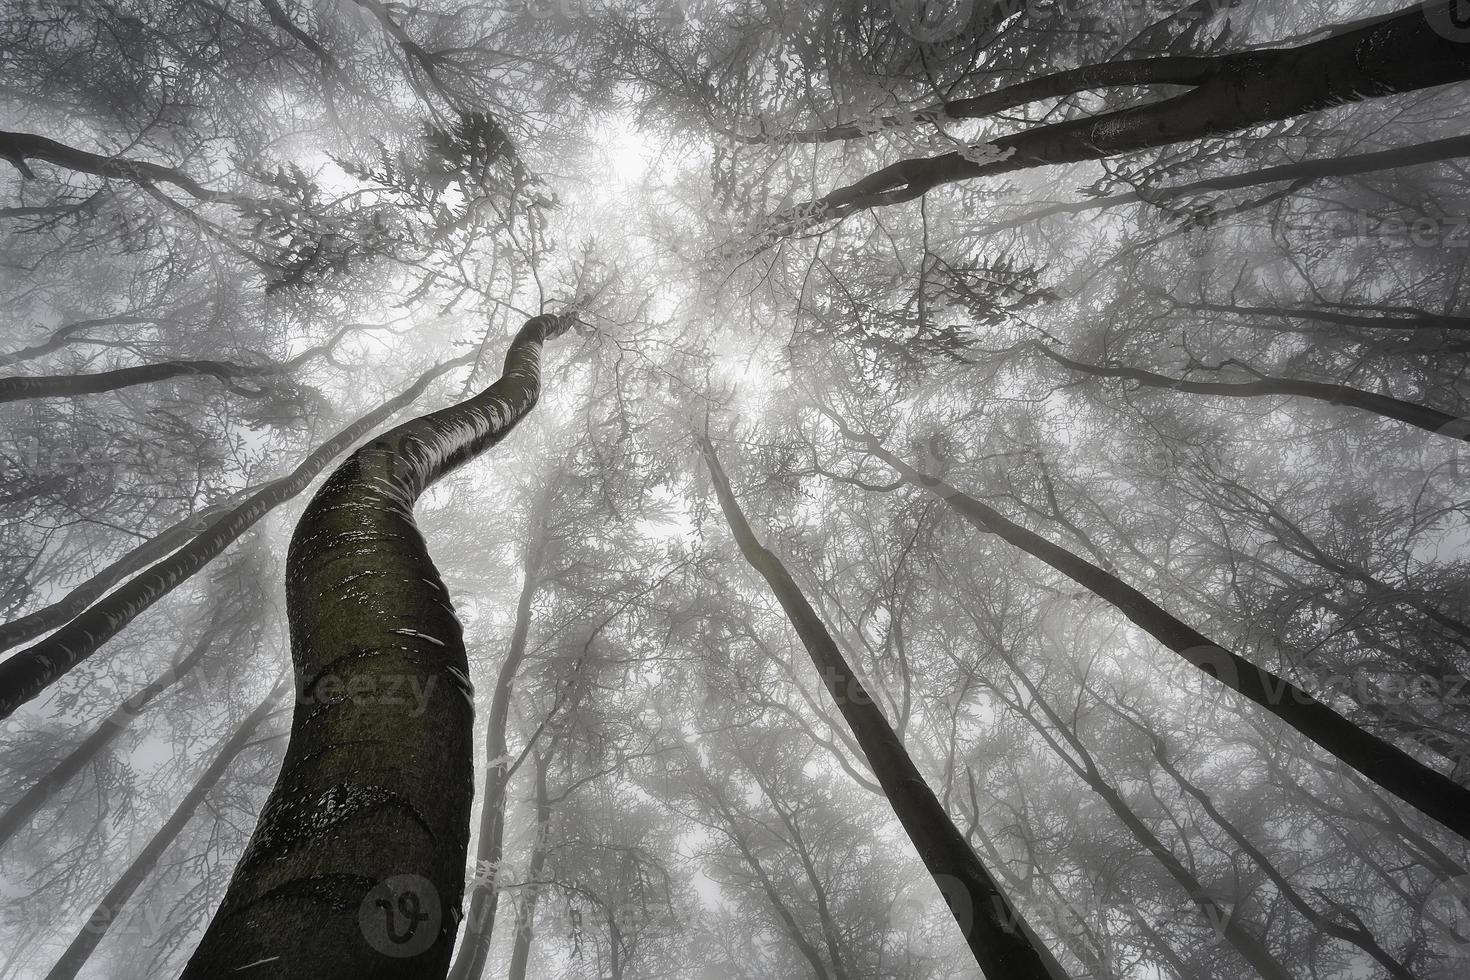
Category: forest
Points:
column 734, row 490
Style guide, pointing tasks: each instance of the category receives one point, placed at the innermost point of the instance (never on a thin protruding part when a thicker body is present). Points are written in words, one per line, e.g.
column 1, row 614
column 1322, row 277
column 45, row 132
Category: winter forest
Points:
column 734, row 489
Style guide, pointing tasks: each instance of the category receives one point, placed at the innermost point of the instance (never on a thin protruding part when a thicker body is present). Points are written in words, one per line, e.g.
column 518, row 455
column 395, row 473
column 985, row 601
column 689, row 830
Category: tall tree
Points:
column 345, row 831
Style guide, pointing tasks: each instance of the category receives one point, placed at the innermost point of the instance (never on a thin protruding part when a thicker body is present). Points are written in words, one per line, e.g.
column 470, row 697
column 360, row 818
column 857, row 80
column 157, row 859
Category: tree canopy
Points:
column 867, row 490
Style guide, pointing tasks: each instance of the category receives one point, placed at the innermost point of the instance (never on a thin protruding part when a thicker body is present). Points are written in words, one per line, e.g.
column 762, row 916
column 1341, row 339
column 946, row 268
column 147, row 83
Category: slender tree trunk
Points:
column 1249, row 942
column 20, row 148
column 831, row 934
column 804, row 946
column 1356, row 933
column 357, row 865
column 1434, row 151
column 474, row 950
column 112, row 904
column 1389, row 319
column 1003, row 944
column 525, row 934
column 1385, row 764
column 22, row 811
column 75, row 602
column 29, row 672
column 19, row 388
column 1421, row 416
column 66, row 334
column 1410, row 51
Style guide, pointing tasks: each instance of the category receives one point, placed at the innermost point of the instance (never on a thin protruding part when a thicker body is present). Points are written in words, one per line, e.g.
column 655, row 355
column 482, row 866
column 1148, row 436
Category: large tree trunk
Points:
column 1390, row 767
column 30, row 671
column 357, row 865
column 110, row 908
column 1003, row 944
column 1410, row 51
column 474, row 951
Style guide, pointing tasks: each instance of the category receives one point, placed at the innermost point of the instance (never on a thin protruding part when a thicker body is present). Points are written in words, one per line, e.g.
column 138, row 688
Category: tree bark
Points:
column 107, row 911
column 1401, row 774
column 19, row 148
column 1410, row 51
column 21, row 812
column 357, row 865
column 1004, row 946
column 1420, row 416
column 29, row 672
column 19, row 388
column 1455, row 147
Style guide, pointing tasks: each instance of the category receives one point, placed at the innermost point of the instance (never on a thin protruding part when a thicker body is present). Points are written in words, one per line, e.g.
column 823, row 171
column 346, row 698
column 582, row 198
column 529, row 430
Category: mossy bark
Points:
column 357, row 865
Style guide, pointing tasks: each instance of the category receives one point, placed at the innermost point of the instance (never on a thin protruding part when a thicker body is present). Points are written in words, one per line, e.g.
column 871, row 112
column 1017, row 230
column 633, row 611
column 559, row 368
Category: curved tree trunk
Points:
column 1385, row 764
column 110, row 908
column 29, row 672
column 474, row 950
column 357, row 865
column 1003, row 944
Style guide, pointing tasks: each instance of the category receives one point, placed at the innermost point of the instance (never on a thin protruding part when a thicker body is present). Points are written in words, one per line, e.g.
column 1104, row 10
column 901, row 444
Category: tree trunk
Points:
column 30, row 671
column 474, row 950
column 1421, row 416
column 75, row 602
column 1410, row 51
column 1397, row 319
column 112, row 904
column 1453, row 148
column 1356, row 933
column 357, row 865
column 19, row 388
column 1390, row 767
column 1003, row 944
column 1250, row 943
column 520, row 954
column 21, row 812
